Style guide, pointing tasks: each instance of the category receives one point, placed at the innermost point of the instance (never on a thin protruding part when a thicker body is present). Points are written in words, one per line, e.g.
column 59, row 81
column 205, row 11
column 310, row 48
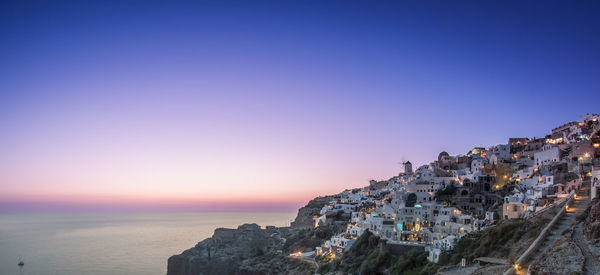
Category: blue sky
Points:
column 172, row 100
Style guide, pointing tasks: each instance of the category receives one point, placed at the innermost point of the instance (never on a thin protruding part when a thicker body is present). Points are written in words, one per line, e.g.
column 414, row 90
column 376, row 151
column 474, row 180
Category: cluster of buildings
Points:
column 549, row 168
column 440, row 202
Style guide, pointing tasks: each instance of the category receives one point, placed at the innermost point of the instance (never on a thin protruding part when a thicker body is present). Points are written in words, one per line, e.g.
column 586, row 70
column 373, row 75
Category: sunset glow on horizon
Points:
column 264, row 106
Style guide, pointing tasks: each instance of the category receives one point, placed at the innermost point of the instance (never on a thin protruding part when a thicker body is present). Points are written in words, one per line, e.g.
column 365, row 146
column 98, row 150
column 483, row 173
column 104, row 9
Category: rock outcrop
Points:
column 564, row 257
column 304, row 219
column 591, row 225
column 245, row 250
column 252, row 250
column 591, row 231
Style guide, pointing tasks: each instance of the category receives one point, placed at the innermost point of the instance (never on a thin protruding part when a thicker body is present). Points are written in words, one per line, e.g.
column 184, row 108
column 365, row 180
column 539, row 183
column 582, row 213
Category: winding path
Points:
column 310, row 260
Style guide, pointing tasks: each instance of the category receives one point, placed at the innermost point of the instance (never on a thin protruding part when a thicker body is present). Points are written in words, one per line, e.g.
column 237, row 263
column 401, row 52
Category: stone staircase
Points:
column 565, row 220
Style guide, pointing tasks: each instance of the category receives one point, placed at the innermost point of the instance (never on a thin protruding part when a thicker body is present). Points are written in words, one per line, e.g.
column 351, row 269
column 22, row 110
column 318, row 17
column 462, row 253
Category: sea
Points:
column 110, row 243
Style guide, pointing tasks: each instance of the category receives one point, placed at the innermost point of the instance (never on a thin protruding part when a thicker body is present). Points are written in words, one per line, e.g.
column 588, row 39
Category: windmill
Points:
column 407, row 166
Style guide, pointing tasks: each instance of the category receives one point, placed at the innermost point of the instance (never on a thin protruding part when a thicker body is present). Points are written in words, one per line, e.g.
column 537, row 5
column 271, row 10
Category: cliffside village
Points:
column 436, row 204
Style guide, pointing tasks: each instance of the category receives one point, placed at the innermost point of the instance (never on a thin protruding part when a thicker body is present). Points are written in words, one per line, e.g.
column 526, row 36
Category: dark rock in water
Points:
column 245, row 250
column 252, row 250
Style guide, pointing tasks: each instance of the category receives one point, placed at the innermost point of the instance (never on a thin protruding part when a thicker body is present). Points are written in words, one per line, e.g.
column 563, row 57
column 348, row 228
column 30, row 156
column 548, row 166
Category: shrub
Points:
column 336, row 263
column 324, row 268
column 485, row 243
column 413, row 262
column 323, row 233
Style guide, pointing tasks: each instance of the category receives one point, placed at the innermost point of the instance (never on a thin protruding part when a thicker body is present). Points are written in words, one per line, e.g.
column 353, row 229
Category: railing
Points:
column 539, row 240
column 550, row 206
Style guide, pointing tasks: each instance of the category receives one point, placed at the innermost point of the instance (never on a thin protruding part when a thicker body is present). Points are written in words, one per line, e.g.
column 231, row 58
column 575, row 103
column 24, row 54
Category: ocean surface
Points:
column 102, row 243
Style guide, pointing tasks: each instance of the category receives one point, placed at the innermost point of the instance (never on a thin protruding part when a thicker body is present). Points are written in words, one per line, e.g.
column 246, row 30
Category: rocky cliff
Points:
column 252, row 250
column 245, row 250
column 564, row 257
column 304, row 219
column 591, row 225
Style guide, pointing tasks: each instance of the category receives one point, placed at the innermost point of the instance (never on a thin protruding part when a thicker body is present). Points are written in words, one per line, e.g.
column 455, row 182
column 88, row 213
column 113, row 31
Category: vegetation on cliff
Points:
column 506, row 240
column 307, row 239
column 371, row 255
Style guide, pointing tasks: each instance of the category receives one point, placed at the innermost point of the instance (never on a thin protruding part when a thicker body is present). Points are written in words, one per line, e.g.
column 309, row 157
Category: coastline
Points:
column 109, row 243
column 251, row 249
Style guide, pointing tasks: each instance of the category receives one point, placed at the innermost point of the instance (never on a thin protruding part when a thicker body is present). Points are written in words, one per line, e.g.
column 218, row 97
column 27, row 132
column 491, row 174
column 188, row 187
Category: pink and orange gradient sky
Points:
column 234, row 106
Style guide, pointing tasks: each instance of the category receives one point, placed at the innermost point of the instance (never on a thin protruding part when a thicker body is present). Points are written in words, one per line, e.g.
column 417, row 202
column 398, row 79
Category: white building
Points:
column 424, row 173
column 502, row 151
column 523, row 173
column 338, row 244
column 587, row 117
column 549, row 154
column 321, row 220
column 355, row 230
column 326, row 209
column 477, row 164
column 423, row 186
column 347, row 208
column 595, row 183
column 440, row 245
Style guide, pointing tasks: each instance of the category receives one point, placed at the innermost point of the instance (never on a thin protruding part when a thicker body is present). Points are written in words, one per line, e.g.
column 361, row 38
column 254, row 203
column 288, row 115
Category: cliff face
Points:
column 304, row 219
column 564, row 257
column 245, row 250
column 252, row 250
column 591, row 226
column 591, row 233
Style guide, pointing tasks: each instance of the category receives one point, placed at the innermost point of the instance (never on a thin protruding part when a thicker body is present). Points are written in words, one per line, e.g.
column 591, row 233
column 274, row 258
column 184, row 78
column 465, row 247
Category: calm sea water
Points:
column 131, row 243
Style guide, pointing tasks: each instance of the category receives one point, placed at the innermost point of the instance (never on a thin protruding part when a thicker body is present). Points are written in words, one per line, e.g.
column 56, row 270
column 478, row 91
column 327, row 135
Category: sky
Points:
column 263, row 105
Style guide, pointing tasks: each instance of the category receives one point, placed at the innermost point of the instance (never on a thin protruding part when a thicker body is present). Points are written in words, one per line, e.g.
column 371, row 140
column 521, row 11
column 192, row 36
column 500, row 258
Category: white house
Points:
column 523, row 173
column 529, row 182
column 595, row 183
column 338, row 243
column 347, row 208
column 502, row 151
column 355, row 230
column 477, row 164
column 434, row 254
column 321, row 220
column 424, row 173
column 326, row 209
column 549, row 154
column 439, row 245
